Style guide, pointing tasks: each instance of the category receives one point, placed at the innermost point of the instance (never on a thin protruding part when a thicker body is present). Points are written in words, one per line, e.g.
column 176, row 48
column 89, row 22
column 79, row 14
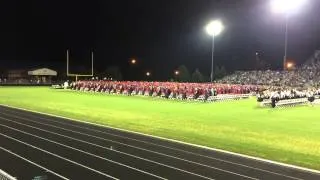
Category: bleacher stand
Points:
column 307, row 75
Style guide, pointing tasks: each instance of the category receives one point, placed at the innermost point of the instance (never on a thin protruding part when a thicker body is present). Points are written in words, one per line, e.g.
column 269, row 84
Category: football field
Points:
column 289, row 135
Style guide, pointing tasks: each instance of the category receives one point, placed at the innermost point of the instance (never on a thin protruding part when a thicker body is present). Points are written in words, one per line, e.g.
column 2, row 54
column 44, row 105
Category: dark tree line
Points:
column 185, row 75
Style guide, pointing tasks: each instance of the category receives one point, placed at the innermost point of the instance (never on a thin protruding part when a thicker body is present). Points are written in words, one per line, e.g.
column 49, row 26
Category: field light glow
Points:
column 133, row 61
column 214, row 28
column 286, row 6
column 289, row 65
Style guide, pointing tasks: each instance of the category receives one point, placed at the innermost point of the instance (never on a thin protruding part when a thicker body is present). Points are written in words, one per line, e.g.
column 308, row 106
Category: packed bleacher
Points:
column 169, row 90
column 295, row 78
column 307, row 75
column 290, row 87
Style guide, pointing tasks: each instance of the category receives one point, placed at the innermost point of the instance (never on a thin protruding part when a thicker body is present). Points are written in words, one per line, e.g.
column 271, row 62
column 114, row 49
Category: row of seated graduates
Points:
column 163, row 89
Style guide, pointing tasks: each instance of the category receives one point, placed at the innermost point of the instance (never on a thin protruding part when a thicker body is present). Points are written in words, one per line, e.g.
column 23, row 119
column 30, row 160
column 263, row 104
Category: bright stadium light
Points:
column 289, row 65
column 214, row 28
column 286, row 6
column 148, row 74
column 176, row 73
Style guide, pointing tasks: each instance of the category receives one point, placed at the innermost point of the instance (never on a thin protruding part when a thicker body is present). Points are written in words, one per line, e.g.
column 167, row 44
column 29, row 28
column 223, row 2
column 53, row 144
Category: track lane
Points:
column 99, row 164
column 51, row 161
column 22, row 168
column 177, row 150
column 224, row 165
column 105, row 151
column 208, row 171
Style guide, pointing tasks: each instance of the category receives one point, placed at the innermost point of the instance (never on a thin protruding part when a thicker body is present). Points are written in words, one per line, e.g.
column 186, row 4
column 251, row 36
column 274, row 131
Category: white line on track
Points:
column 33, row 163
column 60, row 157
column 308, row 170
column 149, row 143
column 114, row 150
column 135, row 147
column 84, row 152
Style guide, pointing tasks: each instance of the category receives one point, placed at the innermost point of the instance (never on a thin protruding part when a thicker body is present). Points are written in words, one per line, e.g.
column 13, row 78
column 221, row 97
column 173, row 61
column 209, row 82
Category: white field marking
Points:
column 60, row 157
column 33, row 163
column 175, row 141
column 114, row 150
column 174, row 157
column 84, row 152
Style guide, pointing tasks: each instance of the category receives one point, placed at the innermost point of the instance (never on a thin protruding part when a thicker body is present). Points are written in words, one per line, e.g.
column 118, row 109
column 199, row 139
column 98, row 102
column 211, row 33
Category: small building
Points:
column 43, row 75
column 35, row 76
column 17, row 74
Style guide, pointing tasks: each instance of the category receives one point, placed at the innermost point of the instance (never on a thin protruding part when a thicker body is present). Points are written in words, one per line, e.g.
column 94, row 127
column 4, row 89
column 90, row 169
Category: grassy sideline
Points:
column 286, row 135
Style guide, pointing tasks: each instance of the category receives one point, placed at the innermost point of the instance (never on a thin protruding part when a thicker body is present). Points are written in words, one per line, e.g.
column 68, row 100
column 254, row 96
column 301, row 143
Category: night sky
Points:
column 160, row 34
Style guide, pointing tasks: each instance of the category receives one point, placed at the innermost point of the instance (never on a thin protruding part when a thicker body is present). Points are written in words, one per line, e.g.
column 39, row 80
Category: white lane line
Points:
column 113, row 150
column 84, row 152
column 60, row 157
column 181, row 159
column 33, row 163
column 6, row 176
column 308, row 170
column 175, row 149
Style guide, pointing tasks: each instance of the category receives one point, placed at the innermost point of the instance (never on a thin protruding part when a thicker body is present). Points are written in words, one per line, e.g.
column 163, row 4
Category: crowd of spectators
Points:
column 308, row 75
column 295, row 78
column 163, row 89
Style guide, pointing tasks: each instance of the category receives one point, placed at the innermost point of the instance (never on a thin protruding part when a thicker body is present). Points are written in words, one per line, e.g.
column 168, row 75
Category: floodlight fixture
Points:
column 286, row 6
column 214, row 28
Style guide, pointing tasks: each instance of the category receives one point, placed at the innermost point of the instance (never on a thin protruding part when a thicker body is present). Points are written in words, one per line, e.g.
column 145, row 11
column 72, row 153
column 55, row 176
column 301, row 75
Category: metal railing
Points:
column 5, row 176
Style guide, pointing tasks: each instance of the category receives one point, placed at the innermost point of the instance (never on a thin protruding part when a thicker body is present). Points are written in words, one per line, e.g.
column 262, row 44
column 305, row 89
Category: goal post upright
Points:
column 79, row 75
column 92, row 62
column 67, row 62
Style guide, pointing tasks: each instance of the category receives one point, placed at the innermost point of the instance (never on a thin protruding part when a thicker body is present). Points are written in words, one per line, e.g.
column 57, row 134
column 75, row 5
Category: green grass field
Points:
column 289, row 135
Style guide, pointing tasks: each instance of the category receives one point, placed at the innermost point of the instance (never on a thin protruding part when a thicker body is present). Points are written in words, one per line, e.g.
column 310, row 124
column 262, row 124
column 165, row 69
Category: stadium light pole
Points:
column 286, row 7
column 214, row 28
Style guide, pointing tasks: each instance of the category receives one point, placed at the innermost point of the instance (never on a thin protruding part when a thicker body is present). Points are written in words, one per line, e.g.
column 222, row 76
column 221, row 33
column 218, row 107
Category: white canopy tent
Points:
column 42, row 72
column 42, row 75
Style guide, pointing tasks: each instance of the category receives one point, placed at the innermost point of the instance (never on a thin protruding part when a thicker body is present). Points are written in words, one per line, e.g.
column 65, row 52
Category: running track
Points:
column 33, row 144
